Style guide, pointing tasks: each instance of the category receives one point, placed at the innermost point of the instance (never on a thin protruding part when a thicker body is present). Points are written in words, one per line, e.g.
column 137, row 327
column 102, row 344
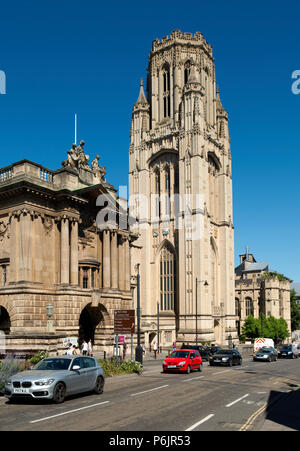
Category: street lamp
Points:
column 205, row 283
column 138, row 349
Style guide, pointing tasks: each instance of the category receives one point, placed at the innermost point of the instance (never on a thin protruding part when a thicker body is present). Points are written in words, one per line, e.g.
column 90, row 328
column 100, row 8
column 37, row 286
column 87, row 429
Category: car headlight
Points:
column 224, row 359
column 182, row 363
column 8, row 382
column 44, row 382
column 164, row 362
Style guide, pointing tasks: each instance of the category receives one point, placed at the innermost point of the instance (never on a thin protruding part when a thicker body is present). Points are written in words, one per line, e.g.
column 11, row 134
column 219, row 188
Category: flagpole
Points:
column 75, row 128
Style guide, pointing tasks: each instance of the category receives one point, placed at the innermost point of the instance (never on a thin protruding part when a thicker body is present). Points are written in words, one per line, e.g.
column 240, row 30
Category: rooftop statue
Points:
column 97, row 169
column 77, row 159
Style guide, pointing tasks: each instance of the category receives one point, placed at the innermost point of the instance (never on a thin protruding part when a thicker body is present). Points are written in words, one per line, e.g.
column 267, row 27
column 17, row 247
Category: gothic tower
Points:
column 180, row 194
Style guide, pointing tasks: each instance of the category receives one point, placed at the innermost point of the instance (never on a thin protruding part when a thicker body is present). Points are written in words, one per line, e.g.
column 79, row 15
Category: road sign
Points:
column 124, row 321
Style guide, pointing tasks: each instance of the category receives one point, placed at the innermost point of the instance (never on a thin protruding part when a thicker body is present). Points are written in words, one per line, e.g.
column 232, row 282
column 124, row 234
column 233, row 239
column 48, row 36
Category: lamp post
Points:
column 138, row 349
column 206, row 285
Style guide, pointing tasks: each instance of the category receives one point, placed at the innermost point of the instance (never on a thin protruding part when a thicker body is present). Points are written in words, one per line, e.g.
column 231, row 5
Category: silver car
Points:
column 57, row 377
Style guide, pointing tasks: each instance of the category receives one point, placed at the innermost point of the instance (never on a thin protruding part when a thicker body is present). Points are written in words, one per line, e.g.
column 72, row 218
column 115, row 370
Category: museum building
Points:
column 61, row 274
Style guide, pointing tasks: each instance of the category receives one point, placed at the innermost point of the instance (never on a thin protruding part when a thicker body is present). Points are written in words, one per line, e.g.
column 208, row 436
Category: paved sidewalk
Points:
column 281, row 414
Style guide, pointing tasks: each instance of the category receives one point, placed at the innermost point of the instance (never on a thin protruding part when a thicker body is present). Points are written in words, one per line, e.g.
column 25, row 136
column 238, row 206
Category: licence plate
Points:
column 21, row 390
column 217, row 360
column 171, row 366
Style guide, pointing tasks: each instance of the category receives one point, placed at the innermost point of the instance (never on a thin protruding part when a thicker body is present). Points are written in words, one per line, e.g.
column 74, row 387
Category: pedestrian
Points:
column 70, row 350
column 124, row 350
column 174, row 346
column 155, row 349
column 84, row 348
column 75, row 350
column 144, row 350
column 90, row 348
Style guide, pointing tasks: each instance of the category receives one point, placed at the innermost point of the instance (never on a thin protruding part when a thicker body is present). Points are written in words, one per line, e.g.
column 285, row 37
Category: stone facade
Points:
column 53, row 254
column 255, row 293
column 180, row 188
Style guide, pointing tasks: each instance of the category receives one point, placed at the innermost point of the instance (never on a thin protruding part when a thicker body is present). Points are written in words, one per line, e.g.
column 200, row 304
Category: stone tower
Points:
column 180, row 189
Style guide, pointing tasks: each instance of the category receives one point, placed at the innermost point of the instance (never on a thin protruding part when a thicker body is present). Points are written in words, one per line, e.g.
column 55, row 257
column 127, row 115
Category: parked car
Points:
column 265, row 354
column 204, row 352
column 57, row 377
column 226, row 357
column 183, row 360
column 288, row 352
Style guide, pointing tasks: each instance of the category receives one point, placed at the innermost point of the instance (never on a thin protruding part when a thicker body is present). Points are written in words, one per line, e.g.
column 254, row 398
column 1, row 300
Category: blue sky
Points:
column 88, row 56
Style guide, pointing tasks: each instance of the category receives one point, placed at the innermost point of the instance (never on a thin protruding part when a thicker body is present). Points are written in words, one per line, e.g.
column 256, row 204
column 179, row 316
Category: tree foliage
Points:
column 270, row 327
column 295, row 312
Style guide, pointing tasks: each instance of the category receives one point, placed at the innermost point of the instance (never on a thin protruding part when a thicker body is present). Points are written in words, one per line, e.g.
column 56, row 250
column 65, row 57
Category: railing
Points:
column 46, row 175
column 6, row 173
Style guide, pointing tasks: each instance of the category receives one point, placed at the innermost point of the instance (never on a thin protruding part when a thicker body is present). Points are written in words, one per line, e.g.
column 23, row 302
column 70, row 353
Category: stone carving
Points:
column 77, row 159
column 97, row 169
column 3, row 230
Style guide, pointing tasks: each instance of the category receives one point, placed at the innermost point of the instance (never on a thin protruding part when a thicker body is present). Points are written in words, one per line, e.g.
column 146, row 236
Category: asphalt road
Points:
column 217, row 399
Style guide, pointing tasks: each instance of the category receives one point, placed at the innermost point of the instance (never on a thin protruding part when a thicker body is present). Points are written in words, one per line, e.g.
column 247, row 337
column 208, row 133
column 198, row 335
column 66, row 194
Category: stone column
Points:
column 106, row 259
column 127, row 265
column 121, row 263
column 25, row 247
column 74, row 253
column 64, row 252
column 114, row 260
column 172, row 190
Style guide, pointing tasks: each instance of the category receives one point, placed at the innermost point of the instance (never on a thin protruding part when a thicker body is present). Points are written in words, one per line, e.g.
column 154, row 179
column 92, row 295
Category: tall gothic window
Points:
column 187, row 71
column 167, row 279
column 166, row 90
column 249, row 307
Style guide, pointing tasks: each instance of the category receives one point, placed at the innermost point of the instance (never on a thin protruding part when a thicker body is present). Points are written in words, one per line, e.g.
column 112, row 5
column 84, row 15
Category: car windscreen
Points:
column 179, row 354
column 264, row 351
column 54, row 364
column 286, row 348
column 223, row 351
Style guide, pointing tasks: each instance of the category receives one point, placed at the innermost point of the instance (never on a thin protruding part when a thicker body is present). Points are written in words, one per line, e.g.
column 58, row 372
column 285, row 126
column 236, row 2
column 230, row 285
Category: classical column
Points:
column 114, row 260
column 25, row 247
column 64, row 252
column 106, row 259
column 121, row 262
column 74, row 253
column 127, row 265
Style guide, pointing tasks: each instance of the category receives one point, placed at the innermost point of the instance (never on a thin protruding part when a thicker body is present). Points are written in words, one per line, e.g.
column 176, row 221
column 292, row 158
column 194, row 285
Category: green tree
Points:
column 295, row 312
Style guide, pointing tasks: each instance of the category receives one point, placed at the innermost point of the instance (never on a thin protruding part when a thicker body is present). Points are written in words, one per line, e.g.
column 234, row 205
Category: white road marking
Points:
column 69, row 411
column 225, row 371
column 193, row 379
column 148, row 391
column 199, row 422
column 237, row 400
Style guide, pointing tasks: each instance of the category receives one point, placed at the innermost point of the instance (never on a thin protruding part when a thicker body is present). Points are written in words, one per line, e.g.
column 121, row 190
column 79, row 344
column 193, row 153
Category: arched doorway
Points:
column 5, row 323
column 90, row 319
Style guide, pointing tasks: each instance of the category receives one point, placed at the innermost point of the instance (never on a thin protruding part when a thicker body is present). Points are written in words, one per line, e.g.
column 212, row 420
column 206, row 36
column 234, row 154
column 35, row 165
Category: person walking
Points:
column 90, row 348
column 124, row 350
column 155, row 349
column 84, row 348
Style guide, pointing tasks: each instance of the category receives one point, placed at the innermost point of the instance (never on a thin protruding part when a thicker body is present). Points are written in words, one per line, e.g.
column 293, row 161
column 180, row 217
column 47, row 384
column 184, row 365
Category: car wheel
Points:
column 230, row 363
column 200, row 367
column 99, row 385
column 59, row 393
column 188, row 370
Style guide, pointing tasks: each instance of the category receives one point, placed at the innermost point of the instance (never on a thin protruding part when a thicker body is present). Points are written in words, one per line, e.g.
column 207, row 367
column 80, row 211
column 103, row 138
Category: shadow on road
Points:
column 283, row 408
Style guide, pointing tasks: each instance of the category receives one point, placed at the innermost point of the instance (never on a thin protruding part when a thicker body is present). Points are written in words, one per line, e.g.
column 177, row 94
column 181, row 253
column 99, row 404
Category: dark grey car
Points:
column 57, row 377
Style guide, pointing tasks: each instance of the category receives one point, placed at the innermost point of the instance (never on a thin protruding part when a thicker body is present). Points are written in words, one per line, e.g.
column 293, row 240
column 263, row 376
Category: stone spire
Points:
column 142, row 98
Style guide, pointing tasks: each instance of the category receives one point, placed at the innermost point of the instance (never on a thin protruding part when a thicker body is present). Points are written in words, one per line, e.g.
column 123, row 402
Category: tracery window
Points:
column 166, row 91
column 249, row 307
column 167, row 279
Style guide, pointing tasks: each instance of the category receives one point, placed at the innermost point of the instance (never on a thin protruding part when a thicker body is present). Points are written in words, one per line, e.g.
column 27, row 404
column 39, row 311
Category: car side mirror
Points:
column 75, row 368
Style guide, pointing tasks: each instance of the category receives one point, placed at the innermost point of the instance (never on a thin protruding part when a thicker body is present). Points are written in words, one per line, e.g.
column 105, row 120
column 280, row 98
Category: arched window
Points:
column 166, row 91
column 187, row 71
column 167, row 279
column 249, row 307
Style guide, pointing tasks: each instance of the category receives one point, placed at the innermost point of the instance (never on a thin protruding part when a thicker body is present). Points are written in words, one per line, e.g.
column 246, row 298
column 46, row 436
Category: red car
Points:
column 185, row 360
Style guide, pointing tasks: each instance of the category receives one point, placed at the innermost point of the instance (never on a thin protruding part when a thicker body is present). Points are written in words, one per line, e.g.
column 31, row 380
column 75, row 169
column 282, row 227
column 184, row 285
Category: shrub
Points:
column 8, row 368
column 115, row 367
column 38, row 357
